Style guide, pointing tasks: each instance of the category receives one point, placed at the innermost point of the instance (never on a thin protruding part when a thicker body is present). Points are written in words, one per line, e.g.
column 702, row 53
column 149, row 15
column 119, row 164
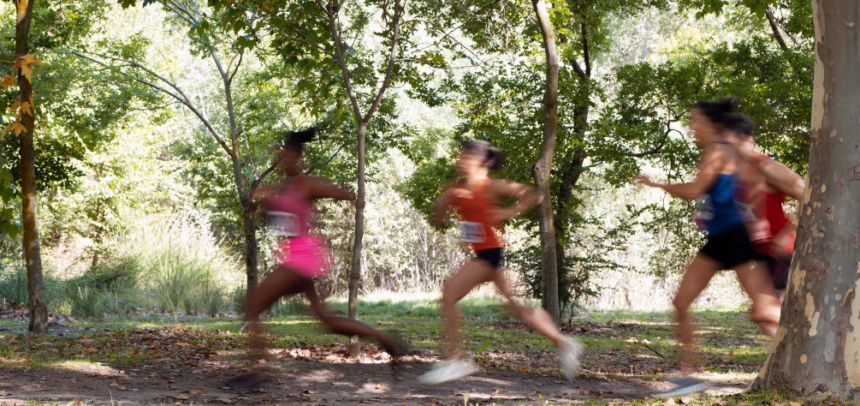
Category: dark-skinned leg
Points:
column 346, row 326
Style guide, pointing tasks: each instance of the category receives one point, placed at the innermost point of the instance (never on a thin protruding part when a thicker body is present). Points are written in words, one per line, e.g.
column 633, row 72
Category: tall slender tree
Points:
column 29, row 213
column 543, row 166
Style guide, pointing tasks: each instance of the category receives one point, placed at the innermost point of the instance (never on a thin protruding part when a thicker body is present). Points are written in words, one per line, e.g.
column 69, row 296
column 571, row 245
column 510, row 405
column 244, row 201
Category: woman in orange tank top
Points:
column 474, row 198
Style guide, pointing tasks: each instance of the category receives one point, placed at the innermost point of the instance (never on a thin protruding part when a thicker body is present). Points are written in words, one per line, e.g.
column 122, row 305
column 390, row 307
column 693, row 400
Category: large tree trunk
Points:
column 249, row 229
column 817, row 345
column 541, row 170
column 32, row 257
column 355, row 270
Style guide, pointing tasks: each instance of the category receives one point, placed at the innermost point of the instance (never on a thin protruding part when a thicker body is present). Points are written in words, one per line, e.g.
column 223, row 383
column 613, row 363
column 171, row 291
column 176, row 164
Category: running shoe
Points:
column 569, row 354
column 448, row 371
column 686, row 386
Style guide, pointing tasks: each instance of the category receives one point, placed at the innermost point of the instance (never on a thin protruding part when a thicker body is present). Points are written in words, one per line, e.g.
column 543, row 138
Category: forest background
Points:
column 155, row 120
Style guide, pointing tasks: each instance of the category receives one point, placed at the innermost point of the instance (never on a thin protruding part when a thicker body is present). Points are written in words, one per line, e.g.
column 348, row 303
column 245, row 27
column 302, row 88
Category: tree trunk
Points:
column 249, row 229
column 541, row 170
column 355, row 270
column 570, row 172
column 32, row 257
column 817, row 345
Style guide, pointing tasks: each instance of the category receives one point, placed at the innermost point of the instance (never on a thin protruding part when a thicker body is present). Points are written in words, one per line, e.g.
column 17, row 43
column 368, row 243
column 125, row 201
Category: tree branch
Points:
column 326, row 162
column 390, row 68
column 241, row 55
column 341, row 62
column 775, row 28
column 178, row 95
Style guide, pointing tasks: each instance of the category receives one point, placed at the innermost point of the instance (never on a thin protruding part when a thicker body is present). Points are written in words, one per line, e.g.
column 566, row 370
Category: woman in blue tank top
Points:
column 728, row 245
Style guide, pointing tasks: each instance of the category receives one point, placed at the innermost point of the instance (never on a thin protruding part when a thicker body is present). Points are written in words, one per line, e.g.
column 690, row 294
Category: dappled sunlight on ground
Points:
column 628, row 354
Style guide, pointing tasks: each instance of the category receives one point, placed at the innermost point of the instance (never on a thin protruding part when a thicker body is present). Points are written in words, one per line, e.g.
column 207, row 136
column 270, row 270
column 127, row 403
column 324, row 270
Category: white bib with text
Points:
column 283, row 224
column 472, row 232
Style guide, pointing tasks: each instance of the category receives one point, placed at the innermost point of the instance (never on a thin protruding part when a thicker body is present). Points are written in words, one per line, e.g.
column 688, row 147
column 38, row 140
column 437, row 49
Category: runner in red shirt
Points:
column 769, row 183
column 475, row 198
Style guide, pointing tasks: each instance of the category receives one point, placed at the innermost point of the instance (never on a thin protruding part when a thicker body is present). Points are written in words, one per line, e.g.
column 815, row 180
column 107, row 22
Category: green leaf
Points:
column 483, row 347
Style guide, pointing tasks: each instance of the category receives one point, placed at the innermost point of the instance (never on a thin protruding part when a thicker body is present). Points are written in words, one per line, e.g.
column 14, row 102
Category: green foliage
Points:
column 705, row 7
column 110, row 289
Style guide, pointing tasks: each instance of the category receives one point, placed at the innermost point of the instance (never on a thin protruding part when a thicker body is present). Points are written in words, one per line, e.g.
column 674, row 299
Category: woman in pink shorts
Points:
column 289, row 210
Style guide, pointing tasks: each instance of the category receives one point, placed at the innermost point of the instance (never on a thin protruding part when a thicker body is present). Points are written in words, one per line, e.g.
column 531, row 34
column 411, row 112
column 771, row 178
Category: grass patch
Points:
column 619, row 344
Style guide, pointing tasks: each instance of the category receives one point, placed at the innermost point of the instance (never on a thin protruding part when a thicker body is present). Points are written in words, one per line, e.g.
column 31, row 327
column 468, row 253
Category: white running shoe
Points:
column 686, row 386
column 448, row 371
column 569, row 355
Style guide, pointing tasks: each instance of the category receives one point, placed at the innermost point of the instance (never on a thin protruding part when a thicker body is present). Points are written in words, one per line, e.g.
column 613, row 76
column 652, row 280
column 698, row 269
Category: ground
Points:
column 166, row 360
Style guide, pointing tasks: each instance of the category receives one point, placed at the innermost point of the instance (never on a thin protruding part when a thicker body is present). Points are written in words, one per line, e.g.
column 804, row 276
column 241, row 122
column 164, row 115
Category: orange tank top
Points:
column 476, row 227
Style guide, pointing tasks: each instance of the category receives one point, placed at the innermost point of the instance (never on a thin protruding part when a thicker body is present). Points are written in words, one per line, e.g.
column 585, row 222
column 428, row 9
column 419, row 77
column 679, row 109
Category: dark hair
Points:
column 742, row 124
column 719, row 112
column 296, row 140
column 493, row 157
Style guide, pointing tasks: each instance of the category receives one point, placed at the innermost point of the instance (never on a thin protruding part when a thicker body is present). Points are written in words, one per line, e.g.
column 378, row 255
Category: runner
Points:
column 728, row 245
column 289, row 208
column 475, row 197
column 769, row 182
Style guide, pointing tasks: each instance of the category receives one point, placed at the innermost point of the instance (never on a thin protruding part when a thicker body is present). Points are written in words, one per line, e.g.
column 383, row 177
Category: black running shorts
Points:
column 731, row 248
column 491, row 255
column 777, row 267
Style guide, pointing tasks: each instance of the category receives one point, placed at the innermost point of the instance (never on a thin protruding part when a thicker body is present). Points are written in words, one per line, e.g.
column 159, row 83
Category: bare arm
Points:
column 708, row 171
column 781, row 177
column 527, row 197
column 320, row 189
column 441, row 207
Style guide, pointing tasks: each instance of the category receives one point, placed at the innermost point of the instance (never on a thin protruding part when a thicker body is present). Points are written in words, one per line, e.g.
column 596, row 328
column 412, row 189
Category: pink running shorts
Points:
column 305, row 255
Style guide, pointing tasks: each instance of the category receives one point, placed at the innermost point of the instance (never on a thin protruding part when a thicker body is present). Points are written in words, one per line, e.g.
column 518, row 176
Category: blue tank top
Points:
column 720, row 208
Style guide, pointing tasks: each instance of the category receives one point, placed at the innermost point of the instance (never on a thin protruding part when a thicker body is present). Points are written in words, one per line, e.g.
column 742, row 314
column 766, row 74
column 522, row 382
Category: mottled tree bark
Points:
column 32, row 256
column 541, row 170
column 817, row 345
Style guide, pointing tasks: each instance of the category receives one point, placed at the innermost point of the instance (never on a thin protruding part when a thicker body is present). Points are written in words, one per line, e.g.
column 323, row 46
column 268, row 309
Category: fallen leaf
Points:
column 380, row 387
column 194, row 392
column 180, row 397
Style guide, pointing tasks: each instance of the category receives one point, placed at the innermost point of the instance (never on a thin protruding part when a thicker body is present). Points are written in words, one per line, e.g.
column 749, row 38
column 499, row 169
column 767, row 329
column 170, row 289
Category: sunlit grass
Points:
column 618, row 343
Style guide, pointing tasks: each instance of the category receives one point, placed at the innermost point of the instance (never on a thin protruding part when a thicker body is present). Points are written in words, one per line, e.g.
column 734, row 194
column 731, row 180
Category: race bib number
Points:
column 282, row 223
column 472, row 232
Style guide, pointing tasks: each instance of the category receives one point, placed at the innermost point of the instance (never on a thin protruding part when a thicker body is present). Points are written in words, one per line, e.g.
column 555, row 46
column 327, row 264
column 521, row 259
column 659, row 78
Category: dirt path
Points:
column 300, row 382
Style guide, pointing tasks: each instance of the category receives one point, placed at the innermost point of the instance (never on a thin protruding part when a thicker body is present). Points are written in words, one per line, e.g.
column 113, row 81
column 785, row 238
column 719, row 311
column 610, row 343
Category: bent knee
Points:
column 680, row 304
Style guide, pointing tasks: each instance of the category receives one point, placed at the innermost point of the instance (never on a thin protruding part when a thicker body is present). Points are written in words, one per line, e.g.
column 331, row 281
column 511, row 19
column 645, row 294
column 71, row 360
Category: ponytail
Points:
column 493, row 157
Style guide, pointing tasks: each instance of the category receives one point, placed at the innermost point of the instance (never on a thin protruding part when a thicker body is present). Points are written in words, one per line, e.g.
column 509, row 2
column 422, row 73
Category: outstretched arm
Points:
column 527, row 197
column 321, row 189
column 708, row 171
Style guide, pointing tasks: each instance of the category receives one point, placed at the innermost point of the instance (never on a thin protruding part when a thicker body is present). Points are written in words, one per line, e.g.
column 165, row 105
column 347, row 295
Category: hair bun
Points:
column 301, row 137
column 730, row 104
